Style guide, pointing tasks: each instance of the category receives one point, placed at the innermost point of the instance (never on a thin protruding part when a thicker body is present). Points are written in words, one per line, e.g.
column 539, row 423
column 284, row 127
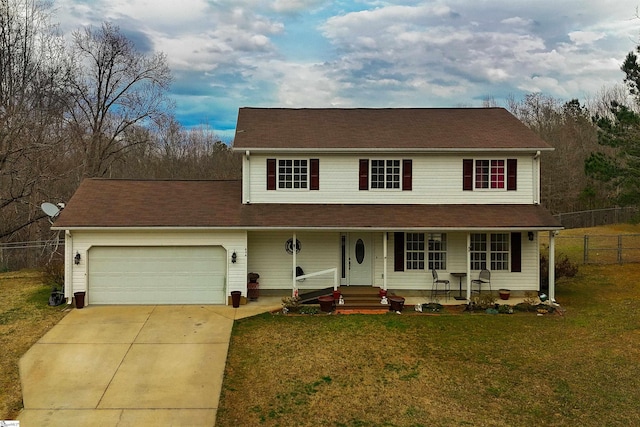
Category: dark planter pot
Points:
column 235, row 298
column 504, row 294
column 336, row 295
column 326, row 303
column 79, row 297
column 396, row 303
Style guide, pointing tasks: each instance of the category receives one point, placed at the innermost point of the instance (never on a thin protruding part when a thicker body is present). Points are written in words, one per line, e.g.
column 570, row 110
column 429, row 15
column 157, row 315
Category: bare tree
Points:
column 32, row 81
column 116, row 87
column 567, row 126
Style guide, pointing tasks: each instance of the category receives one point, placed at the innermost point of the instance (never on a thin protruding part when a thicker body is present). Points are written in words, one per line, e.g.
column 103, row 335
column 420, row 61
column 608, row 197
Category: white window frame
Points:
column 425, row 251
column 500, row 249
column 390, row 178
column 295, row 176
column 490, row 251
column 414, row 251
column 492, row 176
column 437, row 247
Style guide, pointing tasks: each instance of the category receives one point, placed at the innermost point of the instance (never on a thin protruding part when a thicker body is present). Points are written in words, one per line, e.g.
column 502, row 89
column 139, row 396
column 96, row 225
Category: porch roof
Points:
column 128, row 204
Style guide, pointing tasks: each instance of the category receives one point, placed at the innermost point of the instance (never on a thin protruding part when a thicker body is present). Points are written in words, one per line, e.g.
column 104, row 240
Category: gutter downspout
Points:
column 246, row 178
column 68, row 266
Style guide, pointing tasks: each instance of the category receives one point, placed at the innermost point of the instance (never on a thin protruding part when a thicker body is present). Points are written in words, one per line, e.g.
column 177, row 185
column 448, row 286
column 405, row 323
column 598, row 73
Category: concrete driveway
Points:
column 130, row 366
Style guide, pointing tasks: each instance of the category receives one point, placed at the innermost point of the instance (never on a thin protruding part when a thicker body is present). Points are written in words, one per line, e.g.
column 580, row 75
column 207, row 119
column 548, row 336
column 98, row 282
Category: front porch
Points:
column 358, row 299
column 398, row 262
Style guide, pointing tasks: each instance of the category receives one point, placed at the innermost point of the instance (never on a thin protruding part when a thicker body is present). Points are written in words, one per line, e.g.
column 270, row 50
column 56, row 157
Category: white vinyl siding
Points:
column 269, row 258
column 436, row 179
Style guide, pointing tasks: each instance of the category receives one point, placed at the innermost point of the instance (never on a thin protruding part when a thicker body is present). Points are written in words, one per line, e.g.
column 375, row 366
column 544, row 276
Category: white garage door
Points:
column 157, row 275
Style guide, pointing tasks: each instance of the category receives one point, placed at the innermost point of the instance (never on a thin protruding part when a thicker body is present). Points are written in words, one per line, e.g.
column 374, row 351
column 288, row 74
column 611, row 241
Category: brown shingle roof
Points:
column 217, row 204
column 408, row 129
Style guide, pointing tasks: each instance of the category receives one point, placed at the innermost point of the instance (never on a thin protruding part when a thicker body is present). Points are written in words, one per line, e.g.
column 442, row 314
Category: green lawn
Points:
column 582, row 368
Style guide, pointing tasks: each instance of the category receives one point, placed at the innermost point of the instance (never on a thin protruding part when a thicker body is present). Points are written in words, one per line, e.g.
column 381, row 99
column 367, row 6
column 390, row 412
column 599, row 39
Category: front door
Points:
column 360, row 259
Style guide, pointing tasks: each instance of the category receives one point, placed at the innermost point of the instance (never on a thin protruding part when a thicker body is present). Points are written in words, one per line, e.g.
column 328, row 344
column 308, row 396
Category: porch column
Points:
column 385, row 243
column 294, row 246
column 468, row 267
column 552, row 265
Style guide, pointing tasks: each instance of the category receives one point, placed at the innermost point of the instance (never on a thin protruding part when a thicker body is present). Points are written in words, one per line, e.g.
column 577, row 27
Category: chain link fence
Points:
column 596, row 217
column 33, row 254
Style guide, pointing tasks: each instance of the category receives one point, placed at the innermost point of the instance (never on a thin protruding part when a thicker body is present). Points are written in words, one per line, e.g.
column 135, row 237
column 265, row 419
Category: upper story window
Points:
column 293, row 174
column 491, row 174
column 387, row 174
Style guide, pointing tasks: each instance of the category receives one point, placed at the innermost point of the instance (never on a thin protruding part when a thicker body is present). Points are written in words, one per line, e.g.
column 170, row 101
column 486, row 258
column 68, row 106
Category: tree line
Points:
column 92, row 105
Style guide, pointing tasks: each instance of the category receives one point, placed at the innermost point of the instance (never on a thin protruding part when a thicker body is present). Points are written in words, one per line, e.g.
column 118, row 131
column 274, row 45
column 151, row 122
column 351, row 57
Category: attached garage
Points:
column 156, row 275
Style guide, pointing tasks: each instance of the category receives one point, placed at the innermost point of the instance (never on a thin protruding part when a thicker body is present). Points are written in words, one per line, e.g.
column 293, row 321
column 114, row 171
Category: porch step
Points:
column 361, row 298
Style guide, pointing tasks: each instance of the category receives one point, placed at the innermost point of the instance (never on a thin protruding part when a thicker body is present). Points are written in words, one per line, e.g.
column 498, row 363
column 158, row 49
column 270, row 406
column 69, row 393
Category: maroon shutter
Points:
column 314, row 172
column 516, row 252
column 406, row 175
column 271, row 174
column 364, row 174
column 467, row 174
column 398, row 251
column 512, row 174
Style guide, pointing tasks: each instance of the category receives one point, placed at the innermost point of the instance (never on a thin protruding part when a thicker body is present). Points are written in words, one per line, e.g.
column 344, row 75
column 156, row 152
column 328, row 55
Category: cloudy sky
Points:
column 226, row 54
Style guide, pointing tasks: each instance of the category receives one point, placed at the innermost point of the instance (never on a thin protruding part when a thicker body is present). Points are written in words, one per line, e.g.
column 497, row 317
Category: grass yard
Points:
column 24, row 317
column 582, row 368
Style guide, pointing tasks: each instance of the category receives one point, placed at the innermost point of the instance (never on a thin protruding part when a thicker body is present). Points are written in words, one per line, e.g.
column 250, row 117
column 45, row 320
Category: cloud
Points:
column 319, row 53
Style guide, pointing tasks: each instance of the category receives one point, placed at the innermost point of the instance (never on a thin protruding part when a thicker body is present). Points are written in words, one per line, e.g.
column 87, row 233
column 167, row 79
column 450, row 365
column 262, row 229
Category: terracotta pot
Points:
column 326, row 303
column 504, row 294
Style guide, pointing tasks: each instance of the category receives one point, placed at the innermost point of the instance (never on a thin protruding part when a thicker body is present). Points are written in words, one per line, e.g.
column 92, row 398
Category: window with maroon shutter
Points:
column 512, row 174
column 467, row 174
column 271, row 174
column 398, row 251
column 314, row 173
column 407, row 177
column 364, row 174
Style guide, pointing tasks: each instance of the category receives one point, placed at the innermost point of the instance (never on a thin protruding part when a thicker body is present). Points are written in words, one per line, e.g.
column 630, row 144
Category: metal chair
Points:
column 436, row 282
column 484, row 278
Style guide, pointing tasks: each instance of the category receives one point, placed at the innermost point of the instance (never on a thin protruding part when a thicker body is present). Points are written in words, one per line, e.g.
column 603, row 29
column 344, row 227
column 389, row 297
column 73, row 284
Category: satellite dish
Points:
column 50, row 209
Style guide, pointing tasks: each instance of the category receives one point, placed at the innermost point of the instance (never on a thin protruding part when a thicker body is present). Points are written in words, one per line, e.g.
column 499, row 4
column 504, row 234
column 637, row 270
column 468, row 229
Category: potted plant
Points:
column 504, row 294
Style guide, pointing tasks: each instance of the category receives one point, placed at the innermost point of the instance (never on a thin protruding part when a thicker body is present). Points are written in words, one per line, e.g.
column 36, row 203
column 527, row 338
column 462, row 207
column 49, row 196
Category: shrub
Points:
column 53, row 273
column 563, row 268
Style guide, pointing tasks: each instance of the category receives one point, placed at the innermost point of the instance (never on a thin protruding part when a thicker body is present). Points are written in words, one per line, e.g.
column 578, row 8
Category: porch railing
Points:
column 317, row 273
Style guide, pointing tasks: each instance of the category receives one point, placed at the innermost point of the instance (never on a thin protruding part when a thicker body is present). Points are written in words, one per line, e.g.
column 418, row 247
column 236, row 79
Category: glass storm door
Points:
column 360, row 256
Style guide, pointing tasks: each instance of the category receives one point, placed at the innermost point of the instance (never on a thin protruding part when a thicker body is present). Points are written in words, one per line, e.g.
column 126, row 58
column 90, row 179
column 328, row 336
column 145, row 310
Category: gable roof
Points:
column 367, row 129
column 109, row 203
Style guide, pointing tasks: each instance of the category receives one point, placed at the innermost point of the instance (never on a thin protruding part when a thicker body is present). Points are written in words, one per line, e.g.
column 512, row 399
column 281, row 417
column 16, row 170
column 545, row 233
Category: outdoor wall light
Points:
column 530, row 234
column 76, row 259
column 234, row 257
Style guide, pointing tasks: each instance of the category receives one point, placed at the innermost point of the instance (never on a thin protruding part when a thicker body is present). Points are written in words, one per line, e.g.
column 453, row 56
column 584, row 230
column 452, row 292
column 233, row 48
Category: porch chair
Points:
column 446, row 288
column 484, row 278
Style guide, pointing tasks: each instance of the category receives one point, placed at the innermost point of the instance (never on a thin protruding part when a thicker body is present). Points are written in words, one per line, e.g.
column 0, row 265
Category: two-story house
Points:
column 328, row 197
